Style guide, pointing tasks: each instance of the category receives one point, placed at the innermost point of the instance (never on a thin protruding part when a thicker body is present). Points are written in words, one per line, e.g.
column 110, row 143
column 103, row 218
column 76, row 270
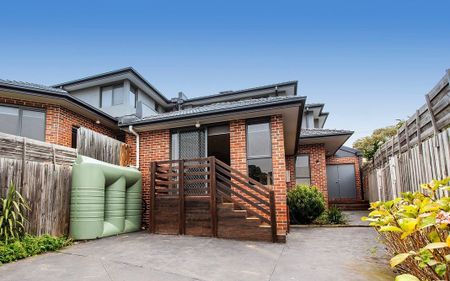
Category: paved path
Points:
column 310, row 254
column 354, row 217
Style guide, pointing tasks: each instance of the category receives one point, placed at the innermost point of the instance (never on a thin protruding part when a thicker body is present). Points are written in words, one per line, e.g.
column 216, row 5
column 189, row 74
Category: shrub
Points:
column 12, row 219
column 306, row 203
column 30, row 246
column 415, row 230
column 333, row 215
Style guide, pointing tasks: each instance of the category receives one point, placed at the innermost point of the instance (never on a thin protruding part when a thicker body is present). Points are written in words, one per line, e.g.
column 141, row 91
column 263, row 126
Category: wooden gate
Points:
column 183, row 197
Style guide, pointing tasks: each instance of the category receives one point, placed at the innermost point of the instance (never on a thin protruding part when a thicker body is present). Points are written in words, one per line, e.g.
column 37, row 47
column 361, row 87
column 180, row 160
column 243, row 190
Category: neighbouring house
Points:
column 252, row 145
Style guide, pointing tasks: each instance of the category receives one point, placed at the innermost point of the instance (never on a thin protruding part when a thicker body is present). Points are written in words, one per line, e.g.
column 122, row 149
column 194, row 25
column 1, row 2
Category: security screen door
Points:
column 190, row 144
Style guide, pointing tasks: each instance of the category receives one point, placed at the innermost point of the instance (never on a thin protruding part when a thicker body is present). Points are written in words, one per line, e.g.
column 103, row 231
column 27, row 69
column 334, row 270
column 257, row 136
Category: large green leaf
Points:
column 436, row 245
column 406, row 277
column 390, row 228
column 398, row 259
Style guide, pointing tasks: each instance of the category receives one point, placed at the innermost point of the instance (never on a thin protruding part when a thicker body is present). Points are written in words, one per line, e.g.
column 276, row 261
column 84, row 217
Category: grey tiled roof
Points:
column 31, row 86
column 214, row 108
column 316, row 132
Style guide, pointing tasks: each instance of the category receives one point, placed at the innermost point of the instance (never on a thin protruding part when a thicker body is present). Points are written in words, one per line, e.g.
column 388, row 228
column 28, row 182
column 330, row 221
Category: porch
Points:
column 206, row 197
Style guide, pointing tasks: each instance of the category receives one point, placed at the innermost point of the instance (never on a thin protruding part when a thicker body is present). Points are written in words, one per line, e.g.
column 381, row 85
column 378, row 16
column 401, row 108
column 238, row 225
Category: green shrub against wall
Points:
column 306, row 203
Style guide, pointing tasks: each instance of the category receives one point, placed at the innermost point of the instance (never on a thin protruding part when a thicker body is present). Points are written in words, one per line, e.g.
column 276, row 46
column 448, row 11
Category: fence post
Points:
column 273, row 216
column 212, row 186
column 24, row 161
column 433, row 118
column 152, row 196
column 181, row 214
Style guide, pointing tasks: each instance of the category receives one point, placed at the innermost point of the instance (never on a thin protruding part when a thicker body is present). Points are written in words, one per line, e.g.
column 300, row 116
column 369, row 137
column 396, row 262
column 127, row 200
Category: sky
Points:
column 370, row 62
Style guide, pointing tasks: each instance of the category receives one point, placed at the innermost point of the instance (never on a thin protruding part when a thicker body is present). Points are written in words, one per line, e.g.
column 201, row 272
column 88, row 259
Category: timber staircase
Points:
column 206, row 197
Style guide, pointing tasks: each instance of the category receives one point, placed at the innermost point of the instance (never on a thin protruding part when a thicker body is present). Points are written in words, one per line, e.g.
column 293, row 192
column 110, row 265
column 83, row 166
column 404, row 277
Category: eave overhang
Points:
column 332, row 143
column 291, row 110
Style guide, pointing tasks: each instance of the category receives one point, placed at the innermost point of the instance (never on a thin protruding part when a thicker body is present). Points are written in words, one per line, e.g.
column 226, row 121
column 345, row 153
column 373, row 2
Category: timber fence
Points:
column 101, row 147
column 419, row 153
column 42, row 174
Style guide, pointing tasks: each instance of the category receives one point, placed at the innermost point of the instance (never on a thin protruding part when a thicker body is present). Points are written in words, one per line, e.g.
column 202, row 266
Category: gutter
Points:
column 59, row 95
column 130, row 128
column 290, row 101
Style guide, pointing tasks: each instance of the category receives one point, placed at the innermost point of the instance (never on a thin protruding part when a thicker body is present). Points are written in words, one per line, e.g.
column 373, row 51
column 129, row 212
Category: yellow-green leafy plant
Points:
column 12, row 215
column 415, row 230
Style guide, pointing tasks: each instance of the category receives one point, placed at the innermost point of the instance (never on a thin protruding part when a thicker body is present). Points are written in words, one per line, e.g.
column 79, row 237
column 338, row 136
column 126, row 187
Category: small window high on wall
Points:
column 259, row 152
column 302, row 170
column 25, row 122
column 111, row 95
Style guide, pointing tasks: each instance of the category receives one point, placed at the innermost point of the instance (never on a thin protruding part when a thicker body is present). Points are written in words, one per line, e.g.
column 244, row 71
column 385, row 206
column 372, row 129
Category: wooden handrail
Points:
column 250, row 180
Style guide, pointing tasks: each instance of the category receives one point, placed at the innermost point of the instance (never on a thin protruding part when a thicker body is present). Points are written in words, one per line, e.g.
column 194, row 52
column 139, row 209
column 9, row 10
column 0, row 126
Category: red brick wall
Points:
column 153, row 146
column 317, row 164
column 279, row 172
column 238, row 146
column 318, row 168
column 238, row 159
column 290, row 166
column 350, row 160
column 59, row 121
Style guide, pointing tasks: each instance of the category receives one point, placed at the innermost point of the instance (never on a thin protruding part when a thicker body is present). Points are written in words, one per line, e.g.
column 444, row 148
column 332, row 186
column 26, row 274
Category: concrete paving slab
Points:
column 309, row 254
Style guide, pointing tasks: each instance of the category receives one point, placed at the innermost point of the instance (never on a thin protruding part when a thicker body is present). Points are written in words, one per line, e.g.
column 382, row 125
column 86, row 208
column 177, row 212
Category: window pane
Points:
column 9, row 120
column 258, row 140
column 107, row 96
column 306, row 181
column 302, row 166
column 261, row 170
column 175, row 146
column 117, row 95
column 132, row 96
column 33, row 124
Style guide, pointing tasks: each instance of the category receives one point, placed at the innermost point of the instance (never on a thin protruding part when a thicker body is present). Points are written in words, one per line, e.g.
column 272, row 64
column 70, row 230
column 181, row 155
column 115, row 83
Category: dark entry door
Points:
column 341, row 182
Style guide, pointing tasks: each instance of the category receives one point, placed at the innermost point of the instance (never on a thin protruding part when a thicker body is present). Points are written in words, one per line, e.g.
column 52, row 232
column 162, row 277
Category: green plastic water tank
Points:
column 105, row 199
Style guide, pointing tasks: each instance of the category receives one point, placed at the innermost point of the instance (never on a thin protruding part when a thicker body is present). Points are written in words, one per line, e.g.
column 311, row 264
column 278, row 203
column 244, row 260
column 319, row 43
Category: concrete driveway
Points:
column 349, row 253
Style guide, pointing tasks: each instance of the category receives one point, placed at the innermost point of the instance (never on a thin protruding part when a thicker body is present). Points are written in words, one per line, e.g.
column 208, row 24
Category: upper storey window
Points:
column 112, row 95
column 132, row 96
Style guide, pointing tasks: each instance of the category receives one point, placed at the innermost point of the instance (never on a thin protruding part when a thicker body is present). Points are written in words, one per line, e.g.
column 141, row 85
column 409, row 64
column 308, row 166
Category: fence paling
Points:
column 418, row 153
column 101, row 147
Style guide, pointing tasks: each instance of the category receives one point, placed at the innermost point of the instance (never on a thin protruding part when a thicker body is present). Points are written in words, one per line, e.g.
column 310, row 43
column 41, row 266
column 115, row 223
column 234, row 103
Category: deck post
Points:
column 273, row 216
column 152, row 196
column 213, row 202
column 181, row 215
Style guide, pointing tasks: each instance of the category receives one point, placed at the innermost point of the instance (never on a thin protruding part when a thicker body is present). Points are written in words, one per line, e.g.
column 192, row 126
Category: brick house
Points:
column 267, row 135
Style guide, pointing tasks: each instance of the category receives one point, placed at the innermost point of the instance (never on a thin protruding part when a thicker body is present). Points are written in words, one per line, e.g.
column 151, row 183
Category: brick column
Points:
column 238, row 146
column 154, row 146
column 279, row 173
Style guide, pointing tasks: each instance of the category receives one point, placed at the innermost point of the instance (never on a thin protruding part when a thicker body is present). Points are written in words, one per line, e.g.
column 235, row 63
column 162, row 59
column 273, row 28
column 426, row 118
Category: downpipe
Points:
column 130, row 128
